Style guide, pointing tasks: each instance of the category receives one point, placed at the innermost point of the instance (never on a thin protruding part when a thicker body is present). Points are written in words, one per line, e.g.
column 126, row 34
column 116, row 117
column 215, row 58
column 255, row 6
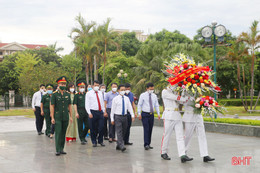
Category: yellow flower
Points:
column 192, row 76
column 201, row 77
column 189, row 84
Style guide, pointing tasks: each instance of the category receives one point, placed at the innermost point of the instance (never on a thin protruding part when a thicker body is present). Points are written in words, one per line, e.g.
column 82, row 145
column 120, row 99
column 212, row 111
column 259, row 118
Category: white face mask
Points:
column 114, row 89
column 103, row 90
column 150, row 91
column 72, row 90
column 122, row 93
column 127, row 91
column 96, row 88
column 41, row 90
column 82, row 90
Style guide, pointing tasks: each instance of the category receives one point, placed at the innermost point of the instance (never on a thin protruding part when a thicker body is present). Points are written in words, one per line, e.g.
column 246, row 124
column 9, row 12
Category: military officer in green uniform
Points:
column 81, row 113
column 45, row 108
column 61, row 113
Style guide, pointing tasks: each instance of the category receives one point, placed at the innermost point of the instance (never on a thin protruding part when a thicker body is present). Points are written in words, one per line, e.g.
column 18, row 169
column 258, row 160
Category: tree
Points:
column 252, row 40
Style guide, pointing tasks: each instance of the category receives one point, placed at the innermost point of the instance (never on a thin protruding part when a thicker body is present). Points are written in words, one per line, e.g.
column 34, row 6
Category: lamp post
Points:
column 217, row 31
column 122, row 76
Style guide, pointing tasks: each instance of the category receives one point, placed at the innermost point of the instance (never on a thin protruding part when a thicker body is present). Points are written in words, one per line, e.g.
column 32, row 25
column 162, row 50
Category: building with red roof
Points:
column 9, row 48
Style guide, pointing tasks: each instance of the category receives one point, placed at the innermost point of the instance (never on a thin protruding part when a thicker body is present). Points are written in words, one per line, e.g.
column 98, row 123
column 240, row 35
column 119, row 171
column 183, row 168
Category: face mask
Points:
column 82, row 90
column 89, row 89
column 150, row 91
column 103, row 89
column 49, row 91
column 72, row 90
column 127, row 91
column 122, row 93
column 114, row 89
column 41, row 90
column 96, row 88
column 62, row 88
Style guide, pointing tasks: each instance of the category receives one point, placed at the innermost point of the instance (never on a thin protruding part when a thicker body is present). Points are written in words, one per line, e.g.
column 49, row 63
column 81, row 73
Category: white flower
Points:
column 195, row 85
column 198, row 99
column 197, row 105
column 202, row 85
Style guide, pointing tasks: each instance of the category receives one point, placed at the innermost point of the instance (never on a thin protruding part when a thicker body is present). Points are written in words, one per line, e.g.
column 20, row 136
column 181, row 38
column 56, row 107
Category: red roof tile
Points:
column 29, row 46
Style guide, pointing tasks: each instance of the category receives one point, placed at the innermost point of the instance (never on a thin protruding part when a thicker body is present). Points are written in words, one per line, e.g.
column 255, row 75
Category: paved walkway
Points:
column 23, row 151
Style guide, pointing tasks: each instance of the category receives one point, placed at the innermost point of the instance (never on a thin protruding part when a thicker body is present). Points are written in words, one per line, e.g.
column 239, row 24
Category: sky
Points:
column 50, row 21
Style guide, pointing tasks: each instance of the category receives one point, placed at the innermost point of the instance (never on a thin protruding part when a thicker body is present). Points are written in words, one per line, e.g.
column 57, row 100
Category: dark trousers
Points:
column 120, row 125
column 147, row 120
column 105, row 127
column 111, row 127
column 96, row 125
column 39, row 119
column 52, row 129
column 47, row 120
column 83, row 119
column 129, row 123
column 60, row 134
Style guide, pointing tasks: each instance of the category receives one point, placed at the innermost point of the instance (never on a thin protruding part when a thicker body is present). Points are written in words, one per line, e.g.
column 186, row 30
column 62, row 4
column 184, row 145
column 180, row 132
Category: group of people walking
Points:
column 109, row 116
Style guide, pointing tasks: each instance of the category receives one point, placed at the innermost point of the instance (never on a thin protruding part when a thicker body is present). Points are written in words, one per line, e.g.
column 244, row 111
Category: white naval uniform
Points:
column 172, row 121
column 194, row 122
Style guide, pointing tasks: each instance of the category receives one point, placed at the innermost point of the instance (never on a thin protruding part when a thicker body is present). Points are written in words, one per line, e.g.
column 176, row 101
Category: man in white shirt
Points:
column 172, row 121
column 120, row 106
column 147, row 102
column 194, row 122
column 94, row 105
column 36, row 105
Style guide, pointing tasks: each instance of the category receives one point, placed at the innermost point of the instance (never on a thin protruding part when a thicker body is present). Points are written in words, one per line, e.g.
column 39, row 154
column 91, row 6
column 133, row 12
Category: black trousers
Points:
column 39, row 119
column 147, row 120
column 96, row 125
column 105, row 127
column 129, row 123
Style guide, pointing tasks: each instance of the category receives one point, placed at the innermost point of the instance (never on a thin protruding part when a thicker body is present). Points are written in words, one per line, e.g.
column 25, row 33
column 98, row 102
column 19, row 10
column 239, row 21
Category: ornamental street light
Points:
column 122, row 76
column 217, row 31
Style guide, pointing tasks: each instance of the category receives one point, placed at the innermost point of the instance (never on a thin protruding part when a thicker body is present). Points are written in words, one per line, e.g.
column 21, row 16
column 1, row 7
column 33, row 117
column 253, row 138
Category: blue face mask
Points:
column 89, row 89
column 49, row 91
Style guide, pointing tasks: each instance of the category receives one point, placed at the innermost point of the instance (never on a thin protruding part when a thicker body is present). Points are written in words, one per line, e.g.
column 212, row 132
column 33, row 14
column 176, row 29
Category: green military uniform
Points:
column 61, row 115
column 46, row 109
column 79, row 100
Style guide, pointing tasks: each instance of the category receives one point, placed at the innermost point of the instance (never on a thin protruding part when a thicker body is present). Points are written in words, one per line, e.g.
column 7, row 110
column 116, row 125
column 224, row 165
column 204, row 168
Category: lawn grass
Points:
column 240, row 111
column 17, row 112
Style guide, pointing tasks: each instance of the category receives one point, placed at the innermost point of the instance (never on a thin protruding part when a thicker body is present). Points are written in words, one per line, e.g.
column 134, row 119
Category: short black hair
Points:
column 42, row 85
column 71, row 85
column 114, row 83
column 96, row 81
column 149, row 85
column 102, row 85
column 121, row 85
column 128, row 85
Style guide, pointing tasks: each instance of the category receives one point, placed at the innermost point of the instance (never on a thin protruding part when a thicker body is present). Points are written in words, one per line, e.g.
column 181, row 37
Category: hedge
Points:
column 236, row 102
column 234, row 121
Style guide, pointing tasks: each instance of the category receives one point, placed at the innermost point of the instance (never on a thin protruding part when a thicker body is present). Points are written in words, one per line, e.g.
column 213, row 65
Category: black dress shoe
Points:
column 185, row 158
column 128, row 143
column 57, row 153
column 207, row 159
column 94, row 145
column 63, row 152
column 40, row 133
column 150, row 147
column 118, row 148
column 105, row 138
column 123, row 149
column 102, row 144
column 85, row 140
column 146, row 147
column 83, row 143
column 165, row 156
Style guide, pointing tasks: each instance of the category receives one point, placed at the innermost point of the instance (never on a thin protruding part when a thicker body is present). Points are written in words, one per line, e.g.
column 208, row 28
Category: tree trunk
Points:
column 257, row 100
column 239, row 84
column 95, row 68
column 103, row 79
column 91, row 73
column 252, row 79
column 87, row 73
column 244, row 83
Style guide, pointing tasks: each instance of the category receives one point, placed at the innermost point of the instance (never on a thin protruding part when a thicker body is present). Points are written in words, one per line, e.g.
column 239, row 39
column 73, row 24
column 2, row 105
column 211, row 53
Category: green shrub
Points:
column 235, row 102
column 234, row 121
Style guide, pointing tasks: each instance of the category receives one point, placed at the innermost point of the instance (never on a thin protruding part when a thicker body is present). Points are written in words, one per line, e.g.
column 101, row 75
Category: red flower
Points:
column 207, row 97
column 201, row 102
column 211, row 102
column 198, row 84
column 185, row 66
column 179, row 84
column 189, row 79
column 185, row 82
column 193, row 81
column 169, row 71
column 217, row 88
column 197, row 77
column 216, row 103
column 201, row 81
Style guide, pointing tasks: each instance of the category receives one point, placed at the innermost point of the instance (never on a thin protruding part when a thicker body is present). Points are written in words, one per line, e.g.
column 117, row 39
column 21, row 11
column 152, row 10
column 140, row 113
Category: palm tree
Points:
column 252, row 40
column 237, row 53
column 106, row 36
column 84, row 41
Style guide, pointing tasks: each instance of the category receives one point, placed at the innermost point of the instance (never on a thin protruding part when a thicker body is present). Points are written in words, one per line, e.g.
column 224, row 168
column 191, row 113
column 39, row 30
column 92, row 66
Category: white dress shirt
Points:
column 91, row 102
column 144, row 105
column 117, row 107
column 189, row 116
column 37, row 98
column 171, row 105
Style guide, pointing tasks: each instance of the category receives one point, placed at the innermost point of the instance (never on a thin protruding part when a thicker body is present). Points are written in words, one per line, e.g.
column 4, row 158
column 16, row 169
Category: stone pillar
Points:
column 11, row 97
